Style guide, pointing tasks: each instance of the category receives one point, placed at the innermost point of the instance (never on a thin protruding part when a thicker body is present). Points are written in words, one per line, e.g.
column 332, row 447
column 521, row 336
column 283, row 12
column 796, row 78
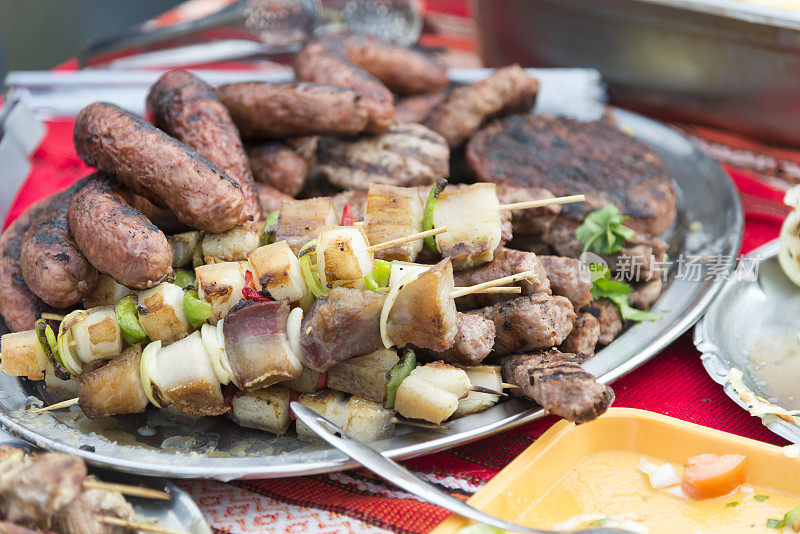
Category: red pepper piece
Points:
column 249, row 290
column 347, row 215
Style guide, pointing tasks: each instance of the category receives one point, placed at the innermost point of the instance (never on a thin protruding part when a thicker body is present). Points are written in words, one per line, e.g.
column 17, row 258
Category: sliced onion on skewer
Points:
column 216, row 351
column 389, row 302
column 66, row 348
column 293, row 323
column 147, row 368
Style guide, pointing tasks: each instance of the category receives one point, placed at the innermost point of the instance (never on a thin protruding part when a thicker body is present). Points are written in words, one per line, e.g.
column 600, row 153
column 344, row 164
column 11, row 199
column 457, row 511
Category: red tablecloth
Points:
column 673, row 383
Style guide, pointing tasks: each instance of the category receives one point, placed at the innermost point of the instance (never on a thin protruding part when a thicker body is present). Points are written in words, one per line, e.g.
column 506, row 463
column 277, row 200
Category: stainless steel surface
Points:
column 578, row 93
column 179, row 514
column 405, row 479
column 719, row 62
column 709, row 224
column 741, row 316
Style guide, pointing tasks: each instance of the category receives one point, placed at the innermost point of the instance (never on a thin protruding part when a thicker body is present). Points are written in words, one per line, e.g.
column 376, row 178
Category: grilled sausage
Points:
column 52, row 265
column 187, row 108
column 324, row 61
column 273, row 111
column 19, row 306
column 116, row 238
column 270, row 198
column 161, row 217
column 158, row 167
column 276, row 164
column 506, row 90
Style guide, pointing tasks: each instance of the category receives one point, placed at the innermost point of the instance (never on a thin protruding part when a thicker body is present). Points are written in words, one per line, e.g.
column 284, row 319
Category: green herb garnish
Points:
column 599, row 522
column 617, row 292
column 776, row 523
column 602, row 231
column 732, row 504
column 761, row 498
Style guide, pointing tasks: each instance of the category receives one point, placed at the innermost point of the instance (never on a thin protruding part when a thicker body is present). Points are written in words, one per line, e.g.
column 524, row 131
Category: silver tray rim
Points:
column 634, row 347
column 716, row 361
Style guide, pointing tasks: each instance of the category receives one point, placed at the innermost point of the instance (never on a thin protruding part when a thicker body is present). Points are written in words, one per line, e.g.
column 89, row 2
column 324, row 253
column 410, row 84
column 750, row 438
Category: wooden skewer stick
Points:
column 528, row 204
column 127, row 489
column 481, row 389
column 506, row 385
column 407, row 239
column 420, row 424
column 57, row 406
column 490, row 290
column 510, row 279
column 52, row 316
column 134, row 525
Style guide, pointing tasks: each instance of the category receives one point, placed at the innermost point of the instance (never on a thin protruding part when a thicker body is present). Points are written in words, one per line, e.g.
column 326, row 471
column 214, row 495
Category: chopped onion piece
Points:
column 746, row 490
column 676, row 491
column 146, row 369
column 293, row 323
column 208, row 333
column 400, row 268
column 664, row 476
column 224, row 354
column 389, row 302
column 646, row 467
column 69, row 356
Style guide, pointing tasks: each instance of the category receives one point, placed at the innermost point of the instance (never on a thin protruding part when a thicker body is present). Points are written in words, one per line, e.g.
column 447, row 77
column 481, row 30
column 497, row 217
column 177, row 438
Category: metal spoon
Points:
column 402, row 477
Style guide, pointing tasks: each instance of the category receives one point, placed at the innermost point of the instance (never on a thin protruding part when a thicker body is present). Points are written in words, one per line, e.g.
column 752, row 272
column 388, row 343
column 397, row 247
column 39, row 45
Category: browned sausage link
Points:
column 403, row 70
column 116, row 238
column 19, row 306
column 52, row 265
column 466, row 108
column 161, row 217
column 324, row 61
column 158, row 167
column 274, row 111
column 270, row 198
column 186, row 107
column 276, row 164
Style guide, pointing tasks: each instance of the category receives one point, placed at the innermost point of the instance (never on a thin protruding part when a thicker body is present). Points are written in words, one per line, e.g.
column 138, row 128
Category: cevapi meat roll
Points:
column 158, row 167
column 558, row 383
column 19, row 306
column 187, row 108
column 279, row 165
column 52, row 265
column 116, row 238
column 277, row 110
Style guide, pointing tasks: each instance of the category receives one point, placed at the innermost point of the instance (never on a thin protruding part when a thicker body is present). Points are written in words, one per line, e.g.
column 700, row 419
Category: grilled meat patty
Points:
column 538, row 321
column 406, row 155
column 187, row 108
column 566, row 157
column 52, row 265
column 558, row 383
column 466, row 108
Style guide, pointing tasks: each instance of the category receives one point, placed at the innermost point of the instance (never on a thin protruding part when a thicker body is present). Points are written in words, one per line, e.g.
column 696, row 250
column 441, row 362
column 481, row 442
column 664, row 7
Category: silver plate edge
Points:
column 428, row 442
column 712, row 355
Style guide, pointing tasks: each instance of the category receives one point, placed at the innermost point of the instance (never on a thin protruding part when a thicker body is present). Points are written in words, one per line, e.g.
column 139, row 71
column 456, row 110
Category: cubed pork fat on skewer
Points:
column 538, row 321
column 558, row 383
column 506, row 261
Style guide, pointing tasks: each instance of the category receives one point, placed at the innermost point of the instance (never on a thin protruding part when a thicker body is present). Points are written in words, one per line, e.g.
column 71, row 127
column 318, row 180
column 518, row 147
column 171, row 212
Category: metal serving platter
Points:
column 709, row 225
column 752, row 326
column 179, row 514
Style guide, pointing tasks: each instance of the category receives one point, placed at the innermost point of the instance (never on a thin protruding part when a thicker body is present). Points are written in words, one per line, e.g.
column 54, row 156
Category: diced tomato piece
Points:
column 707, row 476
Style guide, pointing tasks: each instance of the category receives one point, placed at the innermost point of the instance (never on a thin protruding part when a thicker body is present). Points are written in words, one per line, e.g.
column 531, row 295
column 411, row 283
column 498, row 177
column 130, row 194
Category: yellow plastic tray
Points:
column 559, row 449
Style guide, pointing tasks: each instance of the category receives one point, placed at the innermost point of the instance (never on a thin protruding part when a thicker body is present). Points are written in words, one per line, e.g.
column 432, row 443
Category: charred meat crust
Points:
column 466, row 108
column 558, row 383
column 158, row 167
column 116, row 238
column 19, row 306
column 279, row 165
column 187, row 108
column 277, row 110
column 564, row 156
column 52, row 265
column 324, row 61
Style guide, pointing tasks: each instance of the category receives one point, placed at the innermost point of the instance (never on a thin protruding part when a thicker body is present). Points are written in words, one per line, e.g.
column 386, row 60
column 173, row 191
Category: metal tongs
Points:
column 402, row 477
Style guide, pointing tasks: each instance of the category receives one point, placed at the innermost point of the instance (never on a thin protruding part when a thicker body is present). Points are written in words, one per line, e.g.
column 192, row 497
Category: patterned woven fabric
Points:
column 673, row 383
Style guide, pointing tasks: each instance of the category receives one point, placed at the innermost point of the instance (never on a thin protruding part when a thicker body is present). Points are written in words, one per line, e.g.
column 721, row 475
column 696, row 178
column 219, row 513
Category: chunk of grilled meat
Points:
column 85, row 513
column 506, row 262
column 406, row 155
column 537, row 321
column 584, row 335
column 114, row 388
column 558, row 383
column 569, row 278
column 417, row 108
column 534, row 221
column 343, row 324
column 466, row 108
column 473, row 342
column 283, row 166
column 645, row 294
column 566, row 156
column 270, row 198
column 610, row 320
column 34, row 488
